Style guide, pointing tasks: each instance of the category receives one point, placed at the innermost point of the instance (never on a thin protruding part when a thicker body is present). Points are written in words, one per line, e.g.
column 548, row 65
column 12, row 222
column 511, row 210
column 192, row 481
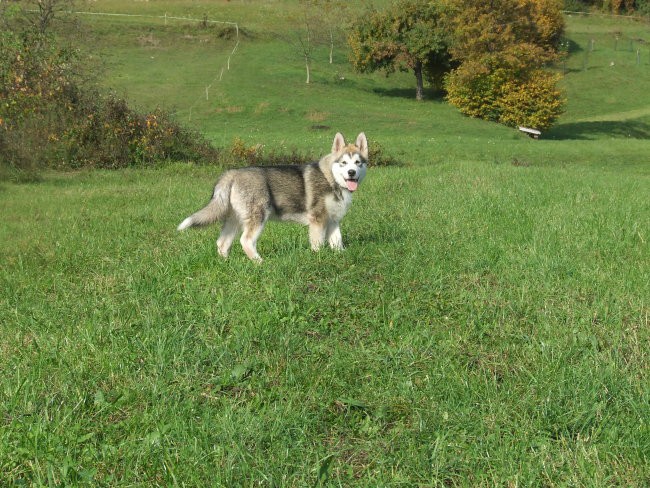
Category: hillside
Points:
column 184, row 67
column 486, row 325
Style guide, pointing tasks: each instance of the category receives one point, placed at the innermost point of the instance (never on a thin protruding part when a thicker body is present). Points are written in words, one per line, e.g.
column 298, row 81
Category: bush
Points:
column 50, row 118
column 532, row 102
column 240, row 154
column 531, row 99
column 474, row 93
column 506, row 33
column 642, row 7
column 109, row 134
column 35, row 94
column 575, row 6
column 378, row 156
column 501, row 49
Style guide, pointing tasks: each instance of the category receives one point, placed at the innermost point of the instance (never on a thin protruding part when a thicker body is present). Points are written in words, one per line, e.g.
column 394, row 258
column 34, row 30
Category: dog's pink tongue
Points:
column 352, row 184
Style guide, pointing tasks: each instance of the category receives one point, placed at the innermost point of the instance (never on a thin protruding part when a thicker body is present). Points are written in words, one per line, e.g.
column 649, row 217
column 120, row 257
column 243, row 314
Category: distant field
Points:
column 487, row 325
column 171, row 67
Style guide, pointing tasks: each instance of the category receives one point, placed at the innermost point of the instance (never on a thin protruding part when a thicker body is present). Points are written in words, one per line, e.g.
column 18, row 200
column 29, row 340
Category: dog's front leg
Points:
column 316, row 235
column 334, row 236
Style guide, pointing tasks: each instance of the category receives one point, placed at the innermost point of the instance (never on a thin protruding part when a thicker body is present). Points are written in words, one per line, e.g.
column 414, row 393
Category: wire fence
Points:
column 630, row 50
column 634, row 17
column 220, row 70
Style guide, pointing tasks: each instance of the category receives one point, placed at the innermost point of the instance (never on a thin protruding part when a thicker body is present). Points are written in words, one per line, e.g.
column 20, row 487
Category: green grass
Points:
column 487, row 324
column 251, row 102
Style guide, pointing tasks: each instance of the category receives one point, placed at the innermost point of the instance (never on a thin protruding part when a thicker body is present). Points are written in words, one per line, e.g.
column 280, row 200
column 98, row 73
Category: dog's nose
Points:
column 351, row 173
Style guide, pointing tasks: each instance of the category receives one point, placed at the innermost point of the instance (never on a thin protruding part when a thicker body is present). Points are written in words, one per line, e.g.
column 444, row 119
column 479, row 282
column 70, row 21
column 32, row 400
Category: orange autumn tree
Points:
column 502, row 48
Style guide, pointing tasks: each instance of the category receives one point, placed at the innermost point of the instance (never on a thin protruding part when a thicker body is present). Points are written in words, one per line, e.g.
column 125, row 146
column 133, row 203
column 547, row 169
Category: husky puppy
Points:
column 317, row 194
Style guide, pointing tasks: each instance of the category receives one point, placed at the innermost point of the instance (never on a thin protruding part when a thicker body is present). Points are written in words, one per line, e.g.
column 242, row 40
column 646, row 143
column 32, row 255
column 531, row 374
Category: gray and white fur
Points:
column 317, row 194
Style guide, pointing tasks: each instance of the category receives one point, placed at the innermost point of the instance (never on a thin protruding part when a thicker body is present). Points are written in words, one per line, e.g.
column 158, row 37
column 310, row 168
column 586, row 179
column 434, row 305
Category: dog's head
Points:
column 350, row 161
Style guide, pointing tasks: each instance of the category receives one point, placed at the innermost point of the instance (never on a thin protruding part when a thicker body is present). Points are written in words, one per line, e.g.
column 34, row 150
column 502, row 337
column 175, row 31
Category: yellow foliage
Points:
column 533, row 100
column 501, row 47
column 548, row 21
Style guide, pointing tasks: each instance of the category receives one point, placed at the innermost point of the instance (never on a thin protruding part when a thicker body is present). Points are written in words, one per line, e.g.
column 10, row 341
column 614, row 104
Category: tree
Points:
column 315, row 23
column 501, row 48
column 330, row 13
column 409, row 35
column 313, row 20
column 37, row 15
column 304, row 37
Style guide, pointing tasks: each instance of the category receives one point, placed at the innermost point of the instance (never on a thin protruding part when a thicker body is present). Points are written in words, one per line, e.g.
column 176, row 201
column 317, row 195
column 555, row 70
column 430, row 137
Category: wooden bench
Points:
column 534, row 133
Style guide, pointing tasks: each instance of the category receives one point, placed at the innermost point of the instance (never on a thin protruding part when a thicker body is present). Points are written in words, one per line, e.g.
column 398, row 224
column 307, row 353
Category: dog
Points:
column 317, row 194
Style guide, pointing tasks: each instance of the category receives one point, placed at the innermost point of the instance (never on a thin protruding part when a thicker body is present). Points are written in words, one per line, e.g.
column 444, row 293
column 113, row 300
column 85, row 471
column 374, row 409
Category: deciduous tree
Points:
column 501, row 48
column 409, row 35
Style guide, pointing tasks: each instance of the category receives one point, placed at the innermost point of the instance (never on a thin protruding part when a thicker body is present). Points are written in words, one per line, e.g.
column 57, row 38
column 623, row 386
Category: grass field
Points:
column 487, row 325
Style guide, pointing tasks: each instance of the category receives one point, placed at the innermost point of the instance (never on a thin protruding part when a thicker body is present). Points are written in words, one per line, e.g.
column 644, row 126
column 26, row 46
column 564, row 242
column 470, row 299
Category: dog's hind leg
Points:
column 227, row 236
column 253, row 227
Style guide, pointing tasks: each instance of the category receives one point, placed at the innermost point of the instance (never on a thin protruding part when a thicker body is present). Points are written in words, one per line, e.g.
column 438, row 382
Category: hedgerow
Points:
column 51, row 118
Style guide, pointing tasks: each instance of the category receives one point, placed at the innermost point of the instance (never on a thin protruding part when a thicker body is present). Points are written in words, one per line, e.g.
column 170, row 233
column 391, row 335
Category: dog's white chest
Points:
column 338, row 207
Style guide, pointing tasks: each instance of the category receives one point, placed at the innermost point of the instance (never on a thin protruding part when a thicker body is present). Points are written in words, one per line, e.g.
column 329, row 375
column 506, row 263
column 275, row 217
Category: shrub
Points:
column 501, row 49
column 642, row 7
column 109, row 134
column 531, row 102
column 377, row 156
column 50, row 118
column 240, row 154
column 35, row 97
column 531, row 99
column 575, row 6
column 474, row 93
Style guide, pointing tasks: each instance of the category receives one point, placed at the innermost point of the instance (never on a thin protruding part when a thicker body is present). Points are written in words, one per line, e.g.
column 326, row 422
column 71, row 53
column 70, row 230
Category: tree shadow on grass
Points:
column 625, row 129
column 408, row 93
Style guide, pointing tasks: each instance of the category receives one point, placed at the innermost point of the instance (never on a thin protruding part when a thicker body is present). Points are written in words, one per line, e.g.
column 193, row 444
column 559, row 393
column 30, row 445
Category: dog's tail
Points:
column 216, row 209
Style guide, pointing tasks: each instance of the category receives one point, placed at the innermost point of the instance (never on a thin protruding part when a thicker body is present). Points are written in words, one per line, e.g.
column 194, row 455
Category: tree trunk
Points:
column 308, row 72
column 419, row 90
column 331, row 46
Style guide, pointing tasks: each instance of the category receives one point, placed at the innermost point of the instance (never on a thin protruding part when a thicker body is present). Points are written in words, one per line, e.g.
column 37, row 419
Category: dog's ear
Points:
column 339, row 143
column 362, row 144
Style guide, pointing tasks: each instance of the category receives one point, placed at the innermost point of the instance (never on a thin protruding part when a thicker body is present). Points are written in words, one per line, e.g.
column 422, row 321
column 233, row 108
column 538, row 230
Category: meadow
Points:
column 487, row 324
